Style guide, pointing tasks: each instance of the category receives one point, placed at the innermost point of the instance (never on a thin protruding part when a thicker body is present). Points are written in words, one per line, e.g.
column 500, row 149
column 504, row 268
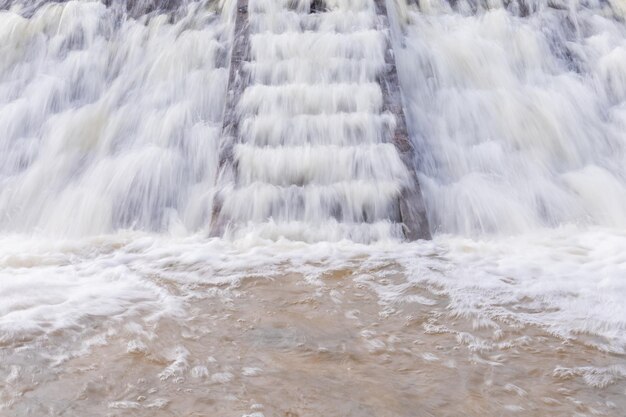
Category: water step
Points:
column 312, row 70
column 363, row 44
column 346, row 129
column 297, row 99
column 325, row 164
column 347, row 201
column 334, row 21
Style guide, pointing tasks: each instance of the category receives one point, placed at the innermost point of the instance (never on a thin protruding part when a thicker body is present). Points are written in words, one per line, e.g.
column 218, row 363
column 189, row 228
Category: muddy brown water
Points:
column 296, row 347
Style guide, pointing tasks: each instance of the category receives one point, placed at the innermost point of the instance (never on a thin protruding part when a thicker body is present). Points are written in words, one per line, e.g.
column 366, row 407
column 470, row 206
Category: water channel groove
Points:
column 314, row 132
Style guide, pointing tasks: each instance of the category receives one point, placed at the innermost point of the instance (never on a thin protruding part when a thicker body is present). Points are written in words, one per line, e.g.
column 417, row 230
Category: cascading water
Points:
column 104, row 126
column 313, row 158
column 116, row 300
column 519, row 113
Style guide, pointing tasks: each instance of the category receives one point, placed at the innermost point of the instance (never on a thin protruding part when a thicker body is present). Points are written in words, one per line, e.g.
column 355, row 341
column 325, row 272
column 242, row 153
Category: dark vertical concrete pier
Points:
column 412, row 209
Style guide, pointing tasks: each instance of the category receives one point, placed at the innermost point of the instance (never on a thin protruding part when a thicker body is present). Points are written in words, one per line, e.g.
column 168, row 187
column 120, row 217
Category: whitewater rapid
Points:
column 110, row 128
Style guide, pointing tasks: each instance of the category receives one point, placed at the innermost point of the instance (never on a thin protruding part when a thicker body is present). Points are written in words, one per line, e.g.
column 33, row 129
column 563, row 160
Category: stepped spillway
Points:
column 315, row 145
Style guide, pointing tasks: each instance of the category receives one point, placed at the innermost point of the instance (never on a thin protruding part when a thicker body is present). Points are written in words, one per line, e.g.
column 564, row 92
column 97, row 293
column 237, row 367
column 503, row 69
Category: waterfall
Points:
column 519, row 113
column 111, row 117
column 205, row 204
column 313, row 160
column 109, row 122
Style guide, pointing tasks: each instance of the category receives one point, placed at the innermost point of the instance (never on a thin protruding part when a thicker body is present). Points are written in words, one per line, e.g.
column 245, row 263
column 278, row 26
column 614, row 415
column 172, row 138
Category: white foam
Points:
column 569, row 281
column 46, row 287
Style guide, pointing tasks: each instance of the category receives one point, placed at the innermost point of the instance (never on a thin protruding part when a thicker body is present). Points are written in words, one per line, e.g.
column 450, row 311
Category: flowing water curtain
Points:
column 519, row 108
column 110, row 114
column 312, row 135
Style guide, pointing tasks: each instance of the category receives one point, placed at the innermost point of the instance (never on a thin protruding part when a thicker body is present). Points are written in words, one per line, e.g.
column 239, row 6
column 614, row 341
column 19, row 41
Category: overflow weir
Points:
column 314, row 144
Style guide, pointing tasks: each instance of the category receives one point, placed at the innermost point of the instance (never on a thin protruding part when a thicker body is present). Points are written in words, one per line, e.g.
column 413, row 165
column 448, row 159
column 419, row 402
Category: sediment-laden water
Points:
column 115, row 301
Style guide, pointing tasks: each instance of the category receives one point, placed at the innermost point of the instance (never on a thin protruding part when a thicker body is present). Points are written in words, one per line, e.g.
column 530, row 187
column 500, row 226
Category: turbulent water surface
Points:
column 114, row 300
